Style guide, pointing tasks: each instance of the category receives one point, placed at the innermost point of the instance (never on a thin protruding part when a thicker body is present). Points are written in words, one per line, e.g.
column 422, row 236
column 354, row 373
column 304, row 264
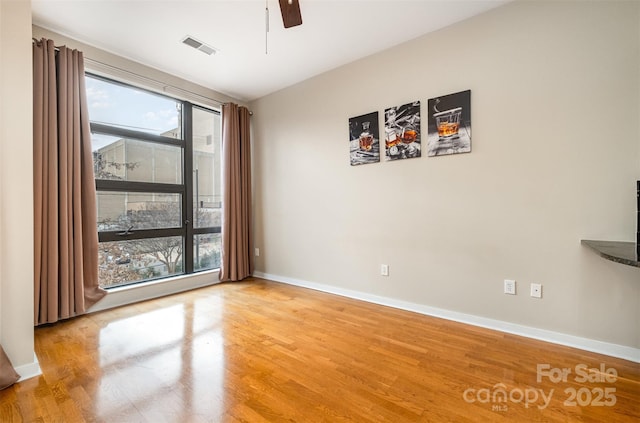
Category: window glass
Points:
column 206, row 249
column 118, row 211
column 126, row 159
column 207, row 193
column 125, row 262
column 123, row 106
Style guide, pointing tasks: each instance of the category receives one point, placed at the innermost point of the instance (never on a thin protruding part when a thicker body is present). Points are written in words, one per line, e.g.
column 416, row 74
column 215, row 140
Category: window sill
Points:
column 131, row 294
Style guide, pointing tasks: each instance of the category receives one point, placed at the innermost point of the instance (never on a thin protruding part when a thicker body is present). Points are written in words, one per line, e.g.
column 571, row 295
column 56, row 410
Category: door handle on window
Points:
column 127, row 232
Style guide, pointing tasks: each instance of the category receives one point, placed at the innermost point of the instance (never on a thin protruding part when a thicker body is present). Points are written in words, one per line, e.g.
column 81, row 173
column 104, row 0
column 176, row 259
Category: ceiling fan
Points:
column 290, row 10
column 291, row 16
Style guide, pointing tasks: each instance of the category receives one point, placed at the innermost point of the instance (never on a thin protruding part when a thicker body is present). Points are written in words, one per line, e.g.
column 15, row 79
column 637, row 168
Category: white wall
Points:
column 556, row 153
column 16, row 184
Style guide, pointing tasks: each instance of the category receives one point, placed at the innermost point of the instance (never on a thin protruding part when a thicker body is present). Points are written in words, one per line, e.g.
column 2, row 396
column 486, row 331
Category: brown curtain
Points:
column 65, row 228
column 237, row 242
column 8, row 375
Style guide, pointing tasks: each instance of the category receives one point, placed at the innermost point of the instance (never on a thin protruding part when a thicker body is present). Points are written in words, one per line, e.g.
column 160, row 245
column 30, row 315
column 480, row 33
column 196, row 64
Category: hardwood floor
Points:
column 261, row 351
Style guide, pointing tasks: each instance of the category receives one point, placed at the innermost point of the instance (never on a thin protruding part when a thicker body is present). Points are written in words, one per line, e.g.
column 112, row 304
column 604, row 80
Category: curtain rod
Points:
column 153, row 81
column 150, row 80
column 158, row 83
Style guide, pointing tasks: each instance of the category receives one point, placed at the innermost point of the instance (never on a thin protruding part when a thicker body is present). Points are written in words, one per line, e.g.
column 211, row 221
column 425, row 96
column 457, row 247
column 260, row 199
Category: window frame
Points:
column 187, row 230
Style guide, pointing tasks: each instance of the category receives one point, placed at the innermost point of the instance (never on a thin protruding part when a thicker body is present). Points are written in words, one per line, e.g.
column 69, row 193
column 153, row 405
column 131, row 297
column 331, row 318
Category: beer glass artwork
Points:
column 448, row 123
column 366, row 137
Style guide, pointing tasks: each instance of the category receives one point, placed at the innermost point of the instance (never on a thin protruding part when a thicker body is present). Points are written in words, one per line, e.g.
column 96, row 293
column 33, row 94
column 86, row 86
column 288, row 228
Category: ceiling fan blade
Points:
column 290, row 13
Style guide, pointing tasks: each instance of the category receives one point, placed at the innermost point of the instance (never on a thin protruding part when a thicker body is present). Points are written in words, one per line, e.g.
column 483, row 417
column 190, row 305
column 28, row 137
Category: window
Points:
column 157, row 168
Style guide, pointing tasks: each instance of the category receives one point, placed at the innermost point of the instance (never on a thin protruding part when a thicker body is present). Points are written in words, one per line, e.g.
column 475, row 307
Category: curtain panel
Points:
column 8, row 375
column 237, row 242
column 65, row 228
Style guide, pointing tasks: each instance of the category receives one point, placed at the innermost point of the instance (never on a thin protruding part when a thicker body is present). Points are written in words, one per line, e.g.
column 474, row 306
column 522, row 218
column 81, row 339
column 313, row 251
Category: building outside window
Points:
column 157, row 170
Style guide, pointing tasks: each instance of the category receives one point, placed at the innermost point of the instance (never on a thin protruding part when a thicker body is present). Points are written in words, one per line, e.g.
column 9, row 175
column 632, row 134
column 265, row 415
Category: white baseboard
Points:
column 613, row 350
column 29, row 370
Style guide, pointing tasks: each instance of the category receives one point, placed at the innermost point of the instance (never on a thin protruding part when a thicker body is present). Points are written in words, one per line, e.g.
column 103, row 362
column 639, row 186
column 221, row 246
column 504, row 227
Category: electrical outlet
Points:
column 536, row 290
column 257, row 252
column 510, row 287
column 384, row 269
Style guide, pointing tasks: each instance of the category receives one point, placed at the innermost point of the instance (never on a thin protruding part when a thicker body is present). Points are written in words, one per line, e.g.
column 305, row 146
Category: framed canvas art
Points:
column 449, row 124
column 402, row 131
column 364, row 139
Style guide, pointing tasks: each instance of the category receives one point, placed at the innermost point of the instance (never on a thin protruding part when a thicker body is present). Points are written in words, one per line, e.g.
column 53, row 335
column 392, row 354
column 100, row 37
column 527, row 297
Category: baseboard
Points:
column 613, row 350
column 29, row 370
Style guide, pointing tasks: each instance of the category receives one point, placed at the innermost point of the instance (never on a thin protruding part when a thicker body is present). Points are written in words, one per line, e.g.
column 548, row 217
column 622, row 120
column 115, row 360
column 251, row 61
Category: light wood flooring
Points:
column 261, row 351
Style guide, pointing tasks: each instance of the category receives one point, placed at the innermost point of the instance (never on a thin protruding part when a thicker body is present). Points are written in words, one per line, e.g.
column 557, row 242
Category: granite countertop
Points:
column 618, row 251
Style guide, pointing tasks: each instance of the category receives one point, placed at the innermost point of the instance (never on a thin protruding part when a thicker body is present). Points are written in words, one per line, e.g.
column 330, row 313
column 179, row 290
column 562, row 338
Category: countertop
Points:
column 617, row 251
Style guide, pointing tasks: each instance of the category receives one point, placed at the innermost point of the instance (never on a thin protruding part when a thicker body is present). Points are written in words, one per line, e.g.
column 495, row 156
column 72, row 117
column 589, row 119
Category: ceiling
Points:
column 333, row 33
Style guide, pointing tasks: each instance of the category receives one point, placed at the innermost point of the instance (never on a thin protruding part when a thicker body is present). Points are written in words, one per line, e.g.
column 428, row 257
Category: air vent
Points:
column 199, row 45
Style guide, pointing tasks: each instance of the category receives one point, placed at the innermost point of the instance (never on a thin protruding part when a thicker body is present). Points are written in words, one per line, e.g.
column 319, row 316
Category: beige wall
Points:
column 16, row 182
column 556, row 153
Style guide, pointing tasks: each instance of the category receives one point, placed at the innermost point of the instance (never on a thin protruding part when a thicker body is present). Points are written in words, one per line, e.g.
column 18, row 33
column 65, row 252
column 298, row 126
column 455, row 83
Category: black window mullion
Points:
column 107, row 236
column 116, row 185
column 101, row 128
column 187, row 198
column 207, row 230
